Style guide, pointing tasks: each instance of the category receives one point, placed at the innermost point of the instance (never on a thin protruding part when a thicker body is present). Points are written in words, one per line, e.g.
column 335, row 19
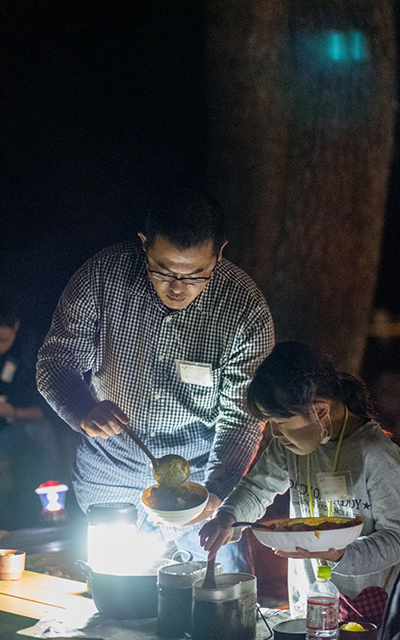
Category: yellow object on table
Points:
column 352, row 626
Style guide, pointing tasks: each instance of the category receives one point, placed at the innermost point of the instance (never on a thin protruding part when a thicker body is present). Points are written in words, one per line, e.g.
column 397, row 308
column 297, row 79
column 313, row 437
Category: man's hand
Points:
column 334, row 555
column 6, row 410
column 104, row 420
column 212, row 504
column 217, row 532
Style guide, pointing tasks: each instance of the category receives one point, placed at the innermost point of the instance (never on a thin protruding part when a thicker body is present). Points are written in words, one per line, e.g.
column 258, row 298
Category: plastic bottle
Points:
column 323, row 607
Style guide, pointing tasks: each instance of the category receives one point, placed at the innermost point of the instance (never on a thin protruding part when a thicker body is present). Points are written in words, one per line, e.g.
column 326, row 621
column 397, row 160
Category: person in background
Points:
column 27, row 444
column 323, row 437
column 163, row 334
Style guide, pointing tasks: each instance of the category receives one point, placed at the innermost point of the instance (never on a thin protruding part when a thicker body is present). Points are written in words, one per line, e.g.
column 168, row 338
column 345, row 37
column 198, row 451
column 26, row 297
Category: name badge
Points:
column 335, row 486
column 9, row 369
column 195, row 373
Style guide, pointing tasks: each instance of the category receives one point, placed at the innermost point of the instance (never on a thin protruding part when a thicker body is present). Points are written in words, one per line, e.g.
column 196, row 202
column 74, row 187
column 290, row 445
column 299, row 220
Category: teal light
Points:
column 336, row 46
column 358, row 45
column 346, row 46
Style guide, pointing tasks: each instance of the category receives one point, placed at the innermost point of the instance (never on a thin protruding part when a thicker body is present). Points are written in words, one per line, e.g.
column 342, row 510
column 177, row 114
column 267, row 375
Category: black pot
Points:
column 123, row 597
column 291, row 629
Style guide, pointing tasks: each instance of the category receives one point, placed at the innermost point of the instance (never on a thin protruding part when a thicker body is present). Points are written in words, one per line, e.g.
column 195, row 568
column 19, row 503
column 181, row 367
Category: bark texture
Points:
column 302, row 100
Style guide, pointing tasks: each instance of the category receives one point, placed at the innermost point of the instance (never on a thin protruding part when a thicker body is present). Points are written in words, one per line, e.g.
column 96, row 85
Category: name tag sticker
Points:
column 195, row 373
column 335, row 486
column 8, row 371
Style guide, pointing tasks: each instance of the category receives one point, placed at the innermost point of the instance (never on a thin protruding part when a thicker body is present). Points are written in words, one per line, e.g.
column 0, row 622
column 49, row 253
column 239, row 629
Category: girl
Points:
column 324, row 446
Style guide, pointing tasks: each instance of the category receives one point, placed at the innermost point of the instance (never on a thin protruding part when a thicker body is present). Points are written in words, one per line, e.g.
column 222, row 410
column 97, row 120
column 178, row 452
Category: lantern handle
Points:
column 84, row 569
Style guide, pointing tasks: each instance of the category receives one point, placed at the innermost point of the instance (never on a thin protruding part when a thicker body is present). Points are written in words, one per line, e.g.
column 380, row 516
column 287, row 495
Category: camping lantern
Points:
column 52, row 496
column 111, row 538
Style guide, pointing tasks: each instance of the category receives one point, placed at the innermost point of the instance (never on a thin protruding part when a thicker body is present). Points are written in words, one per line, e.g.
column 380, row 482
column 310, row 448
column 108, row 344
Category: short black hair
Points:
column 186, row 218
column 9, row 310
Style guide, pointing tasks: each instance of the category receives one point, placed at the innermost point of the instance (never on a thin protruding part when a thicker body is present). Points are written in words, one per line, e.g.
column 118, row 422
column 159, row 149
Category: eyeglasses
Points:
column 165, row 277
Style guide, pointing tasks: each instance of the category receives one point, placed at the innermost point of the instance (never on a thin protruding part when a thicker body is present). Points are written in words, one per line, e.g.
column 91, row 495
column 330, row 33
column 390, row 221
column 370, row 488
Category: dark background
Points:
column 103, row 103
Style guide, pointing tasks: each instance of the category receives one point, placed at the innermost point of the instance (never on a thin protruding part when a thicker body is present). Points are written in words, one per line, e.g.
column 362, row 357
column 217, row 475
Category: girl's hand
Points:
column 334, row 555
column 217, row 532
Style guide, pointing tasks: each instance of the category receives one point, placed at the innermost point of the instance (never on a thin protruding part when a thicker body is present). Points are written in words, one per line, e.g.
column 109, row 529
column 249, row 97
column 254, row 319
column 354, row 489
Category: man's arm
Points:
column 7, row 410
column 69, row 350
column 237, row 433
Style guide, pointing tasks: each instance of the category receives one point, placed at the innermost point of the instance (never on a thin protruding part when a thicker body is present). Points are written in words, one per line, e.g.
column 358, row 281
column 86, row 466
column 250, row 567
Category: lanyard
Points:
column 334, row 468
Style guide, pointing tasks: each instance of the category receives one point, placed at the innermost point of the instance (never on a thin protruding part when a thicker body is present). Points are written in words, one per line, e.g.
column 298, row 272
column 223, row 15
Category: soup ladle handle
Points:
column 140, row 444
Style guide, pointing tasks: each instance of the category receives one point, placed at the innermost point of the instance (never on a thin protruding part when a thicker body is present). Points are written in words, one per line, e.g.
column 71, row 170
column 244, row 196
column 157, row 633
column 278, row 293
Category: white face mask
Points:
column 325, row 435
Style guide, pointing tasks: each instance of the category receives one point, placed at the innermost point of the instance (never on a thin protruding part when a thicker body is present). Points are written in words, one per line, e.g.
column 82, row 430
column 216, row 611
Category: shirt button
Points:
column 168, row 319
column 161, row 357
column 152, row 434
column 157, row 396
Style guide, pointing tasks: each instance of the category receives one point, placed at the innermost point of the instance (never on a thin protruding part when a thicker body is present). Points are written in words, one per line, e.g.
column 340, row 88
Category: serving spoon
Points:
column 253, row 525
column 170, row 470
column 209, row 580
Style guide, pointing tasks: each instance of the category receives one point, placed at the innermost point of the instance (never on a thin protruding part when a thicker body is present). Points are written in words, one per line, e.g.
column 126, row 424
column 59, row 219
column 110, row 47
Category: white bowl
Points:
column 178, row 516
column 319, row 540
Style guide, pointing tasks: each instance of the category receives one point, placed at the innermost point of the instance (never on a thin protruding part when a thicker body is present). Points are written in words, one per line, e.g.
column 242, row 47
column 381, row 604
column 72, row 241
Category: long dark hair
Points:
column 293, row 375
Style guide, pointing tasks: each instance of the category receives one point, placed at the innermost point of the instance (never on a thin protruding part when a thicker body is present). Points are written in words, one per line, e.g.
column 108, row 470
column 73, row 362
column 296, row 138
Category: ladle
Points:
column 209, row 580
column 170, row 470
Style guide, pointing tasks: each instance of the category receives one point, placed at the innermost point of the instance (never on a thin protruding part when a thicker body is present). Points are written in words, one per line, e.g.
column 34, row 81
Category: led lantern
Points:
column 52, row 496
column 111, row 537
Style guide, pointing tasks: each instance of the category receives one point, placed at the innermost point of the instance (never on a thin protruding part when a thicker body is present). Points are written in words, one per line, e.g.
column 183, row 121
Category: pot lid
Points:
column 294, row 629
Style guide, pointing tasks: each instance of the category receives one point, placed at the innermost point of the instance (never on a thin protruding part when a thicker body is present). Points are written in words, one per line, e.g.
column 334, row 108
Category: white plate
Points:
column 319, row 540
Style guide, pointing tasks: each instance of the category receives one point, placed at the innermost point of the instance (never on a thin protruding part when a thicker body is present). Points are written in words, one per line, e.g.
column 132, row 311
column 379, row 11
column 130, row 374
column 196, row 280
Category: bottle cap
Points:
column 324, row 572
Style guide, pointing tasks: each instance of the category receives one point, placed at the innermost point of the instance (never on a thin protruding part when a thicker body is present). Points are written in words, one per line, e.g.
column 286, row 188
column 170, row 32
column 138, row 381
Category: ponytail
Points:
column 354, row 394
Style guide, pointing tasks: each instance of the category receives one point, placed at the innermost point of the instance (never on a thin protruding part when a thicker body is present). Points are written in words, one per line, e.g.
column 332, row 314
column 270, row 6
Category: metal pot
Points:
column 227, row 612
column 174, row 583
column 123, row 597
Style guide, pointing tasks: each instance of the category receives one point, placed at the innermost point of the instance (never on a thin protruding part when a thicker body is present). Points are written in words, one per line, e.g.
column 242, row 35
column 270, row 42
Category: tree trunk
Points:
column 301, row 130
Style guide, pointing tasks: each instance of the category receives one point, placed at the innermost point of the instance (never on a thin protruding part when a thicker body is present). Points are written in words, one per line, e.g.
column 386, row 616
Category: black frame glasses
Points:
column 165, row 277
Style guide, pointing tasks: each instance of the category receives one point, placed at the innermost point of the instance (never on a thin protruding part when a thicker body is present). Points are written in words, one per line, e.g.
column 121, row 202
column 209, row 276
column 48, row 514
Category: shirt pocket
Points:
column 202, row 401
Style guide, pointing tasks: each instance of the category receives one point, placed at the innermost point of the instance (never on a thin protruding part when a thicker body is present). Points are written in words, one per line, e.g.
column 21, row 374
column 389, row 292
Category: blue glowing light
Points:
column 346, row 46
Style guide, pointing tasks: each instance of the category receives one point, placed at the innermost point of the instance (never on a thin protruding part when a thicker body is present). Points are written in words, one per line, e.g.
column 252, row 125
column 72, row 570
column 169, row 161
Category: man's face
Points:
column 195, row 262
column 299, row 434
column 7, row 337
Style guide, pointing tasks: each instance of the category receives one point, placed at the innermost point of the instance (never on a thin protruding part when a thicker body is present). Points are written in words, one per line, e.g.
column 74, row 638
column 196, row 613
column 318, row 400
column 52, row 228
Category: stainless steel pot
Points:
column 227, row 612
column 174, row 582
column 123, row 597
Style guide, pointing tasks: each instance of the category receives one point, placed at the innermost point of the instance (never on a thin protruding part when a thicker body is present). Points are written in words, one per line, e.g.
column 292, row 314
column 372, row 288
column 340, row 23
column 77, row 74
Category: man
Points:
column 27, row 444
column 164, row 336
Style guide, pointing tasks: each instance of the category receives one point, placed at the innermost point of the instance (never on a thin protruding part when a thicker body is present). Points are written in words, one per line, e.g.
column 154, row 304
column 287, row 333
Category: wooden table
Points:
column 35, row 596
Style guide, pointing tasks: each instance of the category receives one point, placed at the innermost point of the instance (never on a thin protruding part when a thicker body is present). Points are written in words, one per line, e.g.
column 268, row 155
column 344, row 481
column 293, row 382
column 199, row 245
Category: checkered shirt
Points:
column 112, row 338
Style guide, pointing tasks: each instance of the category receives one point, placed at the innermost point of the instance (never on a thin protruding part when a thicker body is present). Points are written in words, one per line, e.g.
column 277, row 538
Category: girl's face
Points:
column 299, row 434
